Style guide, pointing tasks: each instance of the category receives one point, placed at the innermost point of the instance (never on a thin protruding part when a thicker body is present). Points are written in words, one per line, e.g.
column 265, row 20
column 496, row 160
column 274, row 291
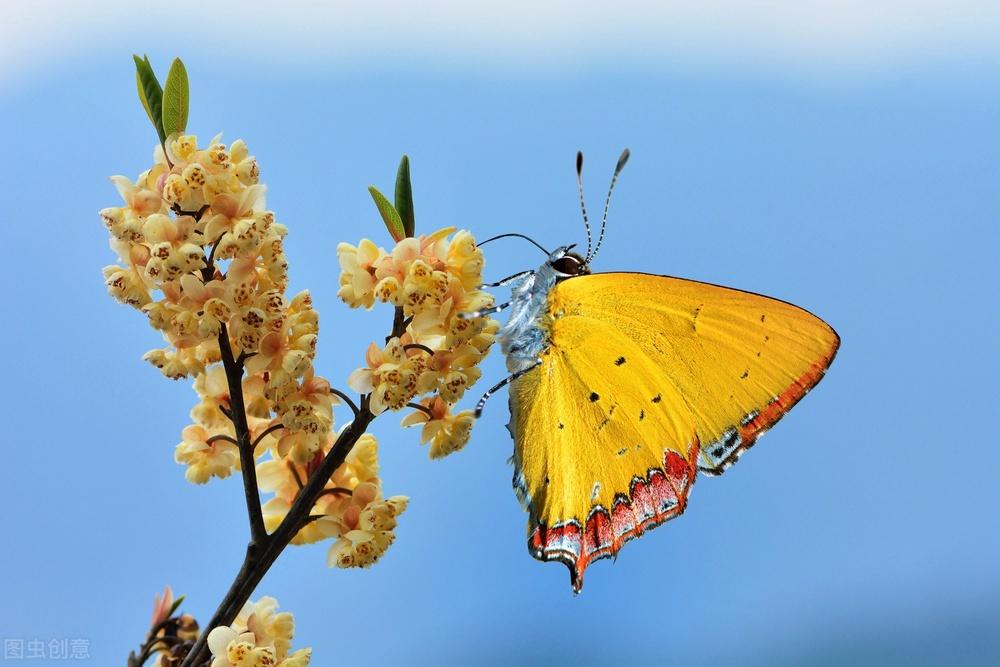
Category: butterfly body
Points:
column 524, row 337
column 626, row 384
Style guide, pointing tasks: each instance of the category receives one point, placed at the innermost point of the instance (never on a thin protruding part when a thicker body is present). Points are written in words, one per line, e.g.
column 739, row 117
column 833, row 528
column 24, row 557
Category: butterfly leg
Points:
column 506, row 281
column 484, row 311
column 500, row 385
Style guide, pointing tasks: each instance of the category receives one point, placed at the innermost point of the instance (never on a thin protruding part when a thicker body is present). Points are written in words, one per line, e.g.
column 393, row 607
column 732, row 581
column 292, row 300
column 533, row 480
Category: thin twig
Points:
column 418, row 346
column 399, row 324
column 221, row 436
column 211, row 255
column 337, row 490
column 268, row 431
column 422, row 408
column 347, row 399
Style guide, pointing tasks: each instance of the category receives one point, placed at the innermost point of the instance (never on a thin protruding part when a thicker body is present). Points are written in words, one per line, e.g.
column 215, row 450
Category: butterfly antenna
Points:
column 520, row 236
column 583, row 207
column 607, row 202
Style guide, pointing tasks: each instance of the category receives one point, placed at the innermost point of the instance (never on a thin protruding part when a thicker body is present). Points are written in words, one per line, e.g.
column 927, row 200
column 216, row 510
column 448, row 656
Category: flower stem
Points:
column 268, row 431
column 346, row 399
column 234, row 377
column 422, row 408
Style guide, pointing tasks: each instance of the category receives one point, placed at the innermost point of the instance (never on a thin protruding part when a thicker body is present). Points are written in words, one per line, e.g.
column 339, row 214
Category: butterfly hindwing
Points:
column 646, row 379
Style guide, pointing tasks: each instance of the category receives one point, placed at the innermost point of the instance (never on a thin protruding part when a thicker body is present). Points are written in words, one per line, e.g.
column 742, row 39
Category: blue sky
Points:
column 858, row 180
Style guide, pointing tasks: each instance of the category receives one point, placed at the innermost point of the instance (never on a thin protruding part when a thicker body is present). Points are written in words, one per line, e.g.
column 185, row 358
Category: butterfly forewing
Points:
column 646, row 379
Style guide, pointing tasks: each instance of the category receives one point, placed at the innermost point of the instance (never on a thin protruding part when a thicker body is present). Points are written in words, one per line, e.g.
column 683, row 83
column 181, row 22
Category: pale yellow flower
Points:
column 127, row 286
column 139, row 201
column 175, row 364
column 260, row 636
column 450, row 372
column 227, row 209
column 447, row 432
column 182, row 148
column 357, row 272
column 390, row 377
column 205, row 457
column 465, row 260
column 359, row 548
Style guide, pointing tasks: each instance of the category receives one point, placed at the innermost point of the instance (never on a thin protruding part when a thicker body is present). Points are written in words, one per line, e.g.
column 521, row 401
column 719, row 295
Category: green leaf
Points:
column 175, row 606
column 150, row 93
column 175, row 99
column 389, row 215
column 404, row 196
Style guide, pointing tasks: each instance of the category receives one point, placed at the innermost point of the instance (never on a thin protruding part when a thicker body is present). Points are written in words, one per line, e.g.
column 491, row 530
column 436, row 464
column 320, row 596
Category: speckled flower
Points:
column 205, row 454
column 391, row 375
column 446, row 432
column 357, row 272
column 364, row 545
column 260, row 636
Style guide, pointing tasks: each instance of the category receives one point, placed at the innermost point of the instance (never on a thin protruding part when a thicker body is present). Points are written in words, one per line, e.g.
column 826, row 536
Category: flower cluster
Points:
column 434, row 283
column 203, row 258
column 261, row 636
column 351, row 509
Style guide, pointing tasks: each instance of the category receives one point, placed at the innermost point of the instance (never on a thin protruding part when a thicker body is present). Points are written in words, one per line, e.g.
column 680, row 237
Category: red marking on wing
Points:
column 777, row 408
column 649, row 503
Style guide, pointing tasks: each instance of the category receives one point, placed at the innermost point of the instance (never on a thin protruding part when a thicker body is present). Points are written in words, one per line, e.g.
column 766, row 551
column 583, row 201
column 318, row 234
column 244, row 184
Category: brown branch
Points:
column 257, row 562
column 264, row 549
column 418, row 346
column 216, row 438
column 399, row 323
column 234, row 377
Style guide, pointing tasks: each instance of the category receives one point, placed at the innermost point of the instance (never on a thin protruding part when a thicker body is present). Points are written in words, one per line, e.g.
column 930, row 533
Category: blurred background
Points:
column 839, row 155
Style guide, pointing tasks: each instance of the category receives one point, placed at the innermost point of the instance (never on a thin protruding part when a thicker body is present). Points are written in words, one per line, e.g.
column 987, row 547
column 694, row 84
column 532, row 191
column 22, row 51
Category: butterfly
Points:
column 624, row 386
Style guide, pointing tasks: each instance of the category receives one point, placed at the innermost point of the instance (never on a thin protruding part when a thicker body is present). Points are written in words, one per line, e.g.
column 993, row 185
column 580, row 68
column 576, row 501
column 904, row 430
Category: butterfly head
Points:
column 567, row 264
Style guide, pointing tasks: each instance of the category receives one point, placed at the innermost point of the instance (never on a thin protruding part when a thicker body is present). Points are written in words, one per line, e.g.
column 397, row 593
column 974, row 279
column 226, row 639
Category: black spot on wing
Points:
column 657, row 398
column 619, row 361
column 594, row 397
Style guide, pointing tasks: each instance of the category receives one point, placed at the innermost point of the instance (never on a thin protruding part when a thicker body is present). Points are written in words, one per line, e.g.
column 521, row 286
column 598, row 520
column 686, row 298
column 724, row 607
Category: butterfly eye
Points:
column 569, row 265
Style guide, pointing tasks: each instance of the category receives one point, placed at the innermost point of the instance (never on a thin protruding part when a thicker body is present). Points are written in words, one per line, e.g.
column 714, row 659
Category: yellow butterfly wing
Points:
column 647, row 379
